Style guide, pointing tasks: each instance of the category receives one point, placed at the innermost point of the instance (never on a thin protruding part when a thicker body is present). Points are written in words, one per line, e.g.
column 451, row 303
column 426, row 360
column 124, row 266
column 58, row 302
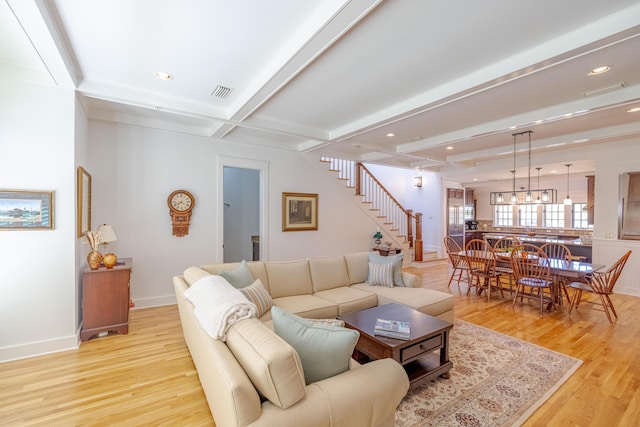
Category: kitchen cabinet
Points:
column 468, row 198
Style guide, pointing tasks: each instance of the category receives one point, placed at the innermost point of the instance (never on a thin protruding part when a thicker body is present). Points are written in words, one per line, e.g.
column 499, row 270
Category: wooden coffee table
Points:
column 418, row 354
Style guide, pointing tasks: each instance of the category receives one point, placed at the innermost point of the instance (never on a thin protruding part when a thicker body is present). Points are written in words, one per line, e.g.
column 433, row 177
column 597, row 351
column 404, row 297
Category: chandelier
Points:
column 519, row 197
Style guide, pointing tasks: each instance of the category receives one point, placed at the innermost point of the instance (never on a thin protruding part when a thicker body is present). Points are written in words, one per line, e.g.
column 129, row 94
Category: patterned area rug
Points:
column 496, row 380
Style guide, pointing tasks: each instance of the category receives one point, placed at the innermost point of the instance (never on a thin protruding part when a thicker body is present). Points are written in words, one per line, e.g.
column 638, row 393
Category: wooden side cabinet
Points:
column 105, row 299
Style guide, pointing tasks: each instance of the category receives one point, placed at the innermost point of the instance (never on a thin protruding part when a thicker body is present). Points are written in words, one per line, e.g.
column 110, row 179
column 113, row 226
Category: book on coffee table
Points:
column 392, row 329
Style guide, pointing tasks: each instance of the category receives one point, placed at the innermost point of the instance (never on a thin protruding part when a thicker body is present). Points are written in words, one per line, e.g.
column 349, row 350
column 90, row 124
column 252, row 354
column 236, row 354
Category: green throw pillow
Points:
column 325, row 351
column 239, row 277
column 395, row 260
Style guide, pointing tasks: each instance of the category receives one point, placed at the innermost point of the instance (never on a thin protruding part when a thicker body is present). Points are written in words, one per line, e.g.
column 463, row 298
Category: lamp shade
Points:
column 106, row 233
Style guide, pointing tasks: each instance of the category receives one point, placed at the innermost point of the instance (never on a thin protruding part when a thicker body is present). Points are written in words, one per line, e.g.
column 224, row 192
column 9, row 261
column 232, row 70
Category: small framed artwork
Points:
column 84, row 201
column 26, row 210
column 299, row 211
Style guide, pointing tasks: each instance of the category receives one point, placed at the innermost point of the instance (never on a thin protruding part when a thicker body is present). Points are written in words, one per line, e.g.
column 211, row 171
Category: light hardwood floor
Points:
column 147, row 377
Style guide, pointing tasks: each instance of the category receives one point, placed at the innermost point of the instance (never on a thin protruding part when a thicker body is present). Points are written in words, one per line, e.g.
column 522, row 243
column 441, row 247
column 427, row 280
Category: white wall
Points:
column 38, row 284
column 134, row 169
column 612, row 160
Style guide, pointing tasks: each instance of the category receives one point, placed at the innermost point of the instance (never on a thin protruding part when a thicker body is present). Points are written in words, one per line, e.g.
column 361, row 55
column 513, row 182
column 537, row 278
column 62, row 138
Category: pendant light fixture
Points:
column 538, row 200
column 568, row 200
column 514, row 195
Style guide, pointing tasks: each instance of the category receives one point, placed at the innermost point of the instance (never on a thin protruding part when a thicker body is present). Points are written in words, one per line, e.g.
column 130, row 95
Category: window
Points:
column 554, row 215
column 579, row 215
column 504, row 215
column 528, row 216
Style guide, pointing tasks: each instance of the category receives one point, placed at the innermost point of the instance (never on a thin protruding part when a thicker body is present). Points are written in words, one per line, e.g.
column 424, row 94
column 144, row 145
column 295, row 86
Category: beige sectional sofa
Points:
column 256, row 379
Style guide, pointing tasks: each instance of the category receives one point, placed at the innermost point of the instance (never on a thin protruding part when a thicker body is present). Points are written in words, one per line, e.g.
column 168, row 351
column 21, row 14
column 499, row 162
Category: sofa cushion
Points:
column 325, row 351
column 349, row 299
column 193, row 274
column 357, row 267
column 395, row 260
column 239, row 277
column 328, row 273
column 274, row 367
column 427, row 301
column 289, row 278
column 380, row 275
column 257, row 294
column 309, row 306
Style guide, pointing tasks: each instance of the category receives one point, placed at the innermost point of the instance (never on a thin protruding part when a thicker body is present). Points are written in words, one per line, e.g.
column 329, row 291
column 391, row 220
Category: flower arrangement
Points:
column 93, row 237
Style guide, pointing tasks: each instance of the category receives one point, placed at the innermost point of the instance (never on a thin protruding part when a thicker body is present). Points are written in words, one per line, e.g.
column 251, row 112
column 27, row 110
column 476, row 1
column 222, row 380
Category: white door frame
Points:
column 263, row 168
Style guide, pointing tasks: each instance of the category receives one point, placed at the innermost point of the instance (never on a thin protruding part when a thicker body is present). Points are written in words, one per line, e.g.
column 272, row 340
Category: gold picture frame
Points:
column 84, row 201
column 299, row 211
column 26, row 210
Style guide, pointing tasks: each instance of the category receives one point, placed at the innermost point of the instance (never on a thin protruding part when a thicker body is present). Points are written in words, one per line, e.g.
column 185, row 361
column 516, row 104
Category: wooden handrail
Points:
column 417, row 243
column 359, row 167
column 358, row 176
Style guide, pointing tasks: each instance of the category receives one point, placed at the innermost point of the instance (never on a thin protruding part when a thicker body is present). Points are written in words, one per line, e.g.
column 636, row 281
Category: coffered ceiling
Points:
column 452, row 81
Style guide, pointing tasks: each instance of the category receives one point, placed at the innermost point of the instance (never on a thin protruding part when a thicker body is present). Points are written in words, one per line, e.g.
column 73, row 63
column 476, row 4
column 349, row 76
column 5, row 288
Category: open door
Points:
column 243, row 215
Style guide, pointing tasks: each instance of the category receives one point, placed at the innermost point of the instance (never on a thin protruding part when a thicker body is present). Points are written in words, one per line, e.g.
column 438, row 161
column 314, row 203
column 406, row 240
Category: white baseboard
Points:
column 25, row 351
column 155, row 301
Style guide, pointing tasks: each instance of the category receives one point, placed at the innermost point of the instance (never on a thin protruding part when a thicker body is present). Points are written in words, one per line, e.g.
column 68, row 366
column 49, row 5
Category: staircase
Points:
column 397, row 222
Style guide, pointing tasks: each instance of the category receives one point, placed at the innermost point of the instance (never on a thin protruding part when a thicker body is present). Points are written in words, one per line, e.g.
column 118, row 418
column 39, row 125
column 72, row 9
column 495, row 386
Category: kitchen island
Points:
column 576, row 245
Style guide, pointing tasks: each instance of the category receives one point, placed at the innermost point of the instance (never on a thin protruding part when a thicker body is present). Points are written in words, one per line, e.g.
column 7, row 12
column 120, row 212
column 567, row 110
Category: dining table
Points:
column 560, row 268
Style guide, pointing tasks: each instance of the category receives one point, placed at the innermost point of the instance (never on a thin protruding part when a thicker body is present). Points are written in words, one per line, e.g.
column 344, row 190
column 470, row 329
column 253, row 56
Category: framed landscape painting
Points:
column 299, row 211
column 26, row 210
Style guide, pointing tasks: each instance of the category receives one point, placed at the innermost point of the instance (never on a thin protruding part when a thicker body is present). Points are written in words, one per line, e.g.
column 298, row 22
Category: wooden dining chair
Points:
column 532, row 273
column 482, row 267
column 458, row 262
column 504, row 244
column 562, row 252
column 600, row 284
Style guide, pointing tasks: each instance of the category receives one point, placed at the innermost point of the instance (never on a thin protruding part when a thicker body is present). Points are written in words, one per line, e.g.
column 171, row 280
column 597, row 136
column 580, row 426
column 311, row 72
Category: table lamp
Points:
column 107, row 235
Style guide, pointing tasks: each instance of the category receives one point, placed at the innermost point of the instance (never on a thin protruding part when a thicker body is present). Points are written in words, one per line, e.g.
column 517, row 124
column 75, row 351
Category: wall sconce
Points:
column 417, row 181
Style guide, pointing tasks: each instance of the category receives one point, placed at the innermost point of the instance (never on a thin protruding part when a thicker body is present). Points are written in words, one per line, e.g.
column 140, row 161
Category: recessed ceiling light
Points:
column 450, row 148
column 634, row 110
column 162, row 75
column 599, row 70
column 474, row 179
column 391, row 134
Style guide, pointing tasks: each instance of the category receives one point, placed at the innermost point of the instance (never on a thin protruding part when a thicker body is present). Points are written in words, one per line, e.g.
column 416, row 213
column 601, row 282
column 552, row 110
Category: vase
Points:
column 109, row 260
column 94, row 258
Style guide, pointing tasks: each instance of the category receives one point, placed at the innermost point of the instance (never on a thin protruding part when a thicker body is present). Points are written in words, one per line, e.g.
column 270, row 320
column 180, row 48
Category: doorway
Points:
column 242, row 209
column 241, row 214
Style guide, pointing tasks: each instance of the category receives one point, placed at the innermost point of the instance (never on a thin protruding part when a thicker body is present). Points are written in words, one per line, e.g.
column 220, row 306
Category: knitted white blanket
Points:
column 218, row 305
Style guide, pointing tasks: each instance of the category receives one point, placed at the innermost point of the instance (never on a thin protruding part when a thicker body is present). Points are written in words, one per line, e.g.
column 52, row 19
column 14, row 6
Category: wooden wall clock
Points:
column 181, row 204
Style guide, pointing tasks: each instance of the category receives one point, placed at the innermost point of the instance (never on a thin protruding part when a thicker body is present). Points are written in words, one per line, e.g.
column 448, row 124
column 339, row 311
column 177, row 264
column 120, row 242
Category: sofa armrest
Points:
column 410, row 280
column 375, row 389
column 365, row 396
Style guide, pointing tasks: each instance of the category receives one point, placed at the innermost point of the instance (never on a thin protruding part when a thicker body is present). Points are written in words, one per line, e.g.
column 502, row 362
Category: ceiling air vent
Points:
column 602, row 90
column 220, row 92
